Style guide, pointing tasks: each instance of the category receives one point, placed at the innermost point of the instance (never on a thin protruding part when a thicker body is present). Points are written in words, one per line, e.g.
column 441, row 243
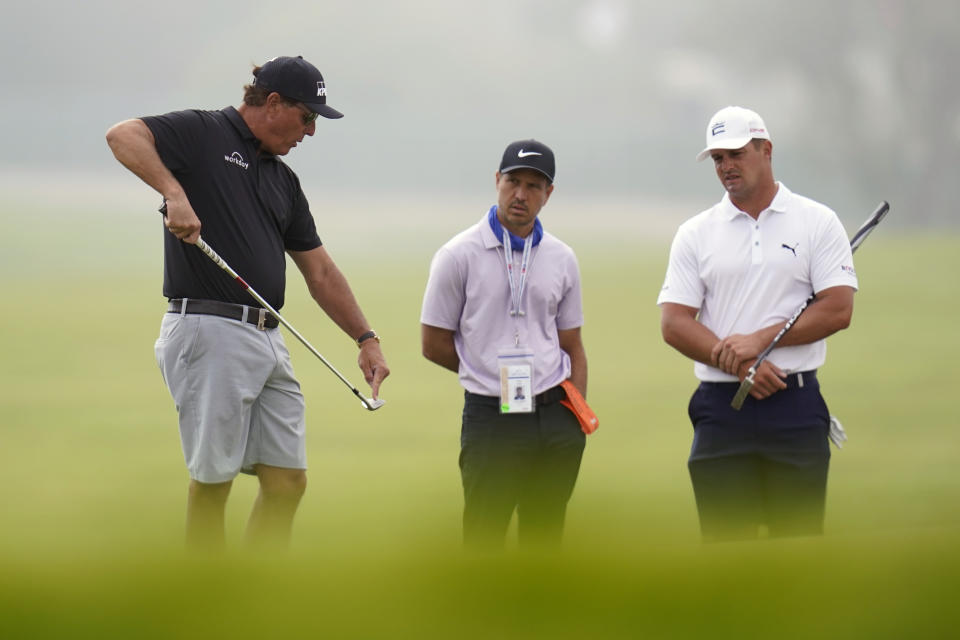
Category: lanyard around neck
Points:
column 517, row 282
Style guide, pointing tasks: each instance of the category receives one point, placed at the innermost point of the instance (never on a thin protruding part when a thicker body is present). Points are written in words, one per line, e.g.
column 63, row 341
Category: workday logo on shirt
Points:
column 237, row 159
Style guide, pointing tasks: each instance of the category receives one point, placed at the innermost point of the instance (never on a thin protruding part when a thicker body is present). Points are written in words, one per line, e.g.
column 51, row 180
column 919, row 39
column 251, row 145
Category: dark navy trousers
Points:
column 762, row 466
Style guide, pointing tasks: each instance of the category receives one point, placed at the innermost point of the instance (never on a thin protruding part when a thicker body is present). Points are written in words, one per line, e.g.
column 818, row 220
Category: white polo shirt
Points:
column 469, row 294
column 745, row 274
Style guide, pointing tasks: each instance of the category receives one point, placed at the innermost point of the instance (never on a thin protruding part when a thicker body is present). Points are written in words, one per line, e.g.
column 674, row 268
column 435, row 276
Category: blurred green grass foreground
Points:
column 91, row 509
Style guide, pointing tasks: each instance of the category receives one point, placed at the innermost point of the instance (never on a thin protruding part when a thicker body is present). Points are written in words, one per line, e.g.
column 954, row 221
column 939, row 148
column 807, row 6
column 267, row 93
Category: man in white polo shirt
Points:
column 737, row 272
column 503, row 309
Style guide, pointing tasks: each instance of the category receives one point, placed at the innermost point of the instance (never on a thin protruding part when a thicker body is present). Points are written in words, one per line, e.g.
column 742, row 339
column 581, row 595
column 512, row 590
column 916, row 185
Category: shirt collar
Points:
column 515, row 241
column 237, row 121
column 490, row 241
column 780, row 200
column 729, row 211
column 241, row 126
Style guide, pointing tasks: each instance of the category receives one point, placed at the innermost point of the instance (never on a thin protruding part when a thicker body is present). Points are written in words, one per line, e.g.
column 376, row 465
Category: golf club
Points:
column 865, row 229
column 369, row 403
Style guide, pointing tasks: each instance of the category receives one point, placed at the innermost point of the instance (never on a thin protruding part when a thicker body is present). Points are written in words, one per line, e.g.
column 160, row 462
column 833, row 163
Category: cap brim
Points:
column 324, row 110
column 739, row 143
column 526, row 166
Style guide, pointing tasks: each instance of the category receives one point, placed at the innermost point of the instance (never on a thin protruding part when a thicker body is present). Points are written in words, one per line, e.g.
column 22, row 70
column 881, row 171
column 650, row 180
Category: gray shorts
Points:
column 235, row 392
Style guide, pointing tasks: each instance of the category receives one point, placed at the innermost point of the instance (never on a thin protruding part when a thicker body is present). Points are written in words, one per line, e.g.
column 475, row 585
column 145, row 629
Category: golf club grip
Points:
column 865, row 230
column 220, row 262
column 742, row 393
column 747, row 383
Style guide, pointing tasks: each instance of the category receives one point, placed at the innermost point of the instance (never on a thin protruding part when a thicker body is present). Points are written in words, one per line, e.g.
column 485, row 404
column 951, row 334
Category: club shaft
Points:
column 855, row 242
column 220, row 262
column 865, row 230
column 867, row 227
column 796, row 314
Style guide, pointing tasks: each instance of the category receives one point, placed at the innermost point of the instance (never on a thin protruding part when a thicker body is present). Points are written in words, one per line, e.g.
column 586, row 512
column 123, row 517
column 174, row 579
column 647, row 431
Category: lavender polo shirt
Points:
column 468, row 293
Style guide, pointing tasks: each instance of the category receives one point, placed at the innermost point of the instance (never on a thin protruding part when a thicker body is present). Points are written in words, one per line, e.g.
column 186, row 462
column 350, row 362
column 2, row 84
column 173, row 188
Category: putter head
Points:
column 742, row 392
column 370, row 404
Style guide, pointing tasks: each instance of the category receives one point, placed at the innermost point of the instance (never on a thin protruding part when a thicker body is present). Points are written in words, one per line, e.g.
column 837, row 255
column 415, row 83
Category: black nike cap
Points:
column 529, row 154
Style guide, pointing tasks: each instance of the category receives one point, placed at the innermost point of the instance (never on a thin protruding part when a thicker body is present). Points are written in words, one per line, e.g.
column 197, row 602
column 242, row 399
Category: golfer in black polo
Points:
column 226, row 366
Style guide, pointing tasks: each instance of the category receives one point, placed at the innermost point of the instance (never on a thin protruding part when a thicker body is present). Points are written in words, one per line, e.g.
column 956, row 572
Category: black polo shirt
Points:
column 250, row 204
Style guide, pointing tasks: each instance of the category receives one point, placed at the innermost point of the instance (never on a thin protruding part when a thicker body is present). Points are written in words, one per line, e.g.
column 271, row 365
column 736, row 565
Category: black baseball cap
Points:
column 529, row 154
column 297, row 79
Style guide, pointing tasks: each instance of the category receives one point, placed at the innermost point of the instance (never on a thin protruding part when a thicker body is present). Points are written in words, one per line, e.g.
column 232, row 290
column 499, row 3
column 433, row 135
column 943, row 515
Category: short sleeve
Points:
column 444, row 297
column 175, row 135
column 570, row 308
column 682, row 283
column 832, row 260
column 301, row 232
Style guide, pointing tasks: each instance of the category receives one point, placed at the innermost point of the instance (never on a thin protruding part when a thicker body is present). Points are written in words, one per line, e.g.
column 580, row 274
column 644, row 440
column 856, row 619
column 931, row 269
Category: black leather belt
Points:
column 556, row 394
column 794, row 381
column 550, row 396
column 255, row 315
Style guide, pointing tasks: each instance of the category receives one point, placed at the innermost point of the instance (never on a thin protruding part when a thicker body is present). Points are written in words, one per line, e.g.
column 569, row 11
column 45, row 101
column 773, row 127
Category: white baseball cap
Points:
column 733, row 128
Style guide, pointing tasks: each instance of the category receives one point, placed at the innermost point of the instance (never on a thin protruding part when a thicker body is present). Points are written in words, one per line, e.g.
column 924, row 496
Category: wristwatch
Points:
column 369, row 335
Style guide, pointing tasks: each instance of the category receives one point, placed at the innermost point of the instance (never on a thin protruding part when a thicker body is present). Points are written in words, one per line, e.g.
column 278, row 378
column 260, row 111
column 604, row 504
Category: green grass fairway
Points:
column 92, row 506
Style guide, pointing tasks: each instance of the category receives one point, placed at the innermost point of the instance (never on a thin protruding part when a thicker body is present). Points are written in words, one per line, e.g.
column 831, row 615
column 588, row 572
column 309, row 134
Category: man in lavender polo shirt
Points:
column 503, row 309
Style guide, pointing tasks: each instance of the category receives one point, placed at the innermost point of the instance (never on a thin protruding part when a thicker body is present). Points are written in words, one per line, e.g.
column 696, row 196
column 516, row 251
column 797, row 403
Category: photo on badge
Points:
column 516, row 381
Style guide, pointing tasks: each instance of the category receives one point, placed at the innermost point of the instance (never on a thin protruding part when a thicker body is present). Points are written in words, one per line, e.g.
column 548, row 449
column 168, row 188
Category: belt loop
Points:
column 244, row 314
column 800, row 380
column 261, row 319
column 183, row 306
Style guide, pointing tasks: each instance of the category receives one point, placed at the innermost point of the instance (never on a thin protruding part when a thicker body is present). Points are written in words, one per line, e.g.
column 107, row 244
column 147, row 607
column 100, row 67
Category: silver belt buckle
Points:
column 262, row 319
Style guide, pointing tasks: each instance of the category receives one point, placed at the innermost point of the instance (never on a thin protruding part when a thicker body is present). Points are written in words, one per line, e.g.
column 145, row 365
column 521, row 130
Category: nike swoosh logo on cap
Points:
column 524, row 154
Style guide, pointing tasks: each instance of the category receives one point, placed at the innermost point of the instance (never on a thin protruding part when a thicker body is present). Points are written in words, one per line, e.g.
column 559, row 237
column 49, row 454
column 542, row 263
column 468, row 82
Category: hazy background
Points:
column 862, row 102
column 860, row 96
